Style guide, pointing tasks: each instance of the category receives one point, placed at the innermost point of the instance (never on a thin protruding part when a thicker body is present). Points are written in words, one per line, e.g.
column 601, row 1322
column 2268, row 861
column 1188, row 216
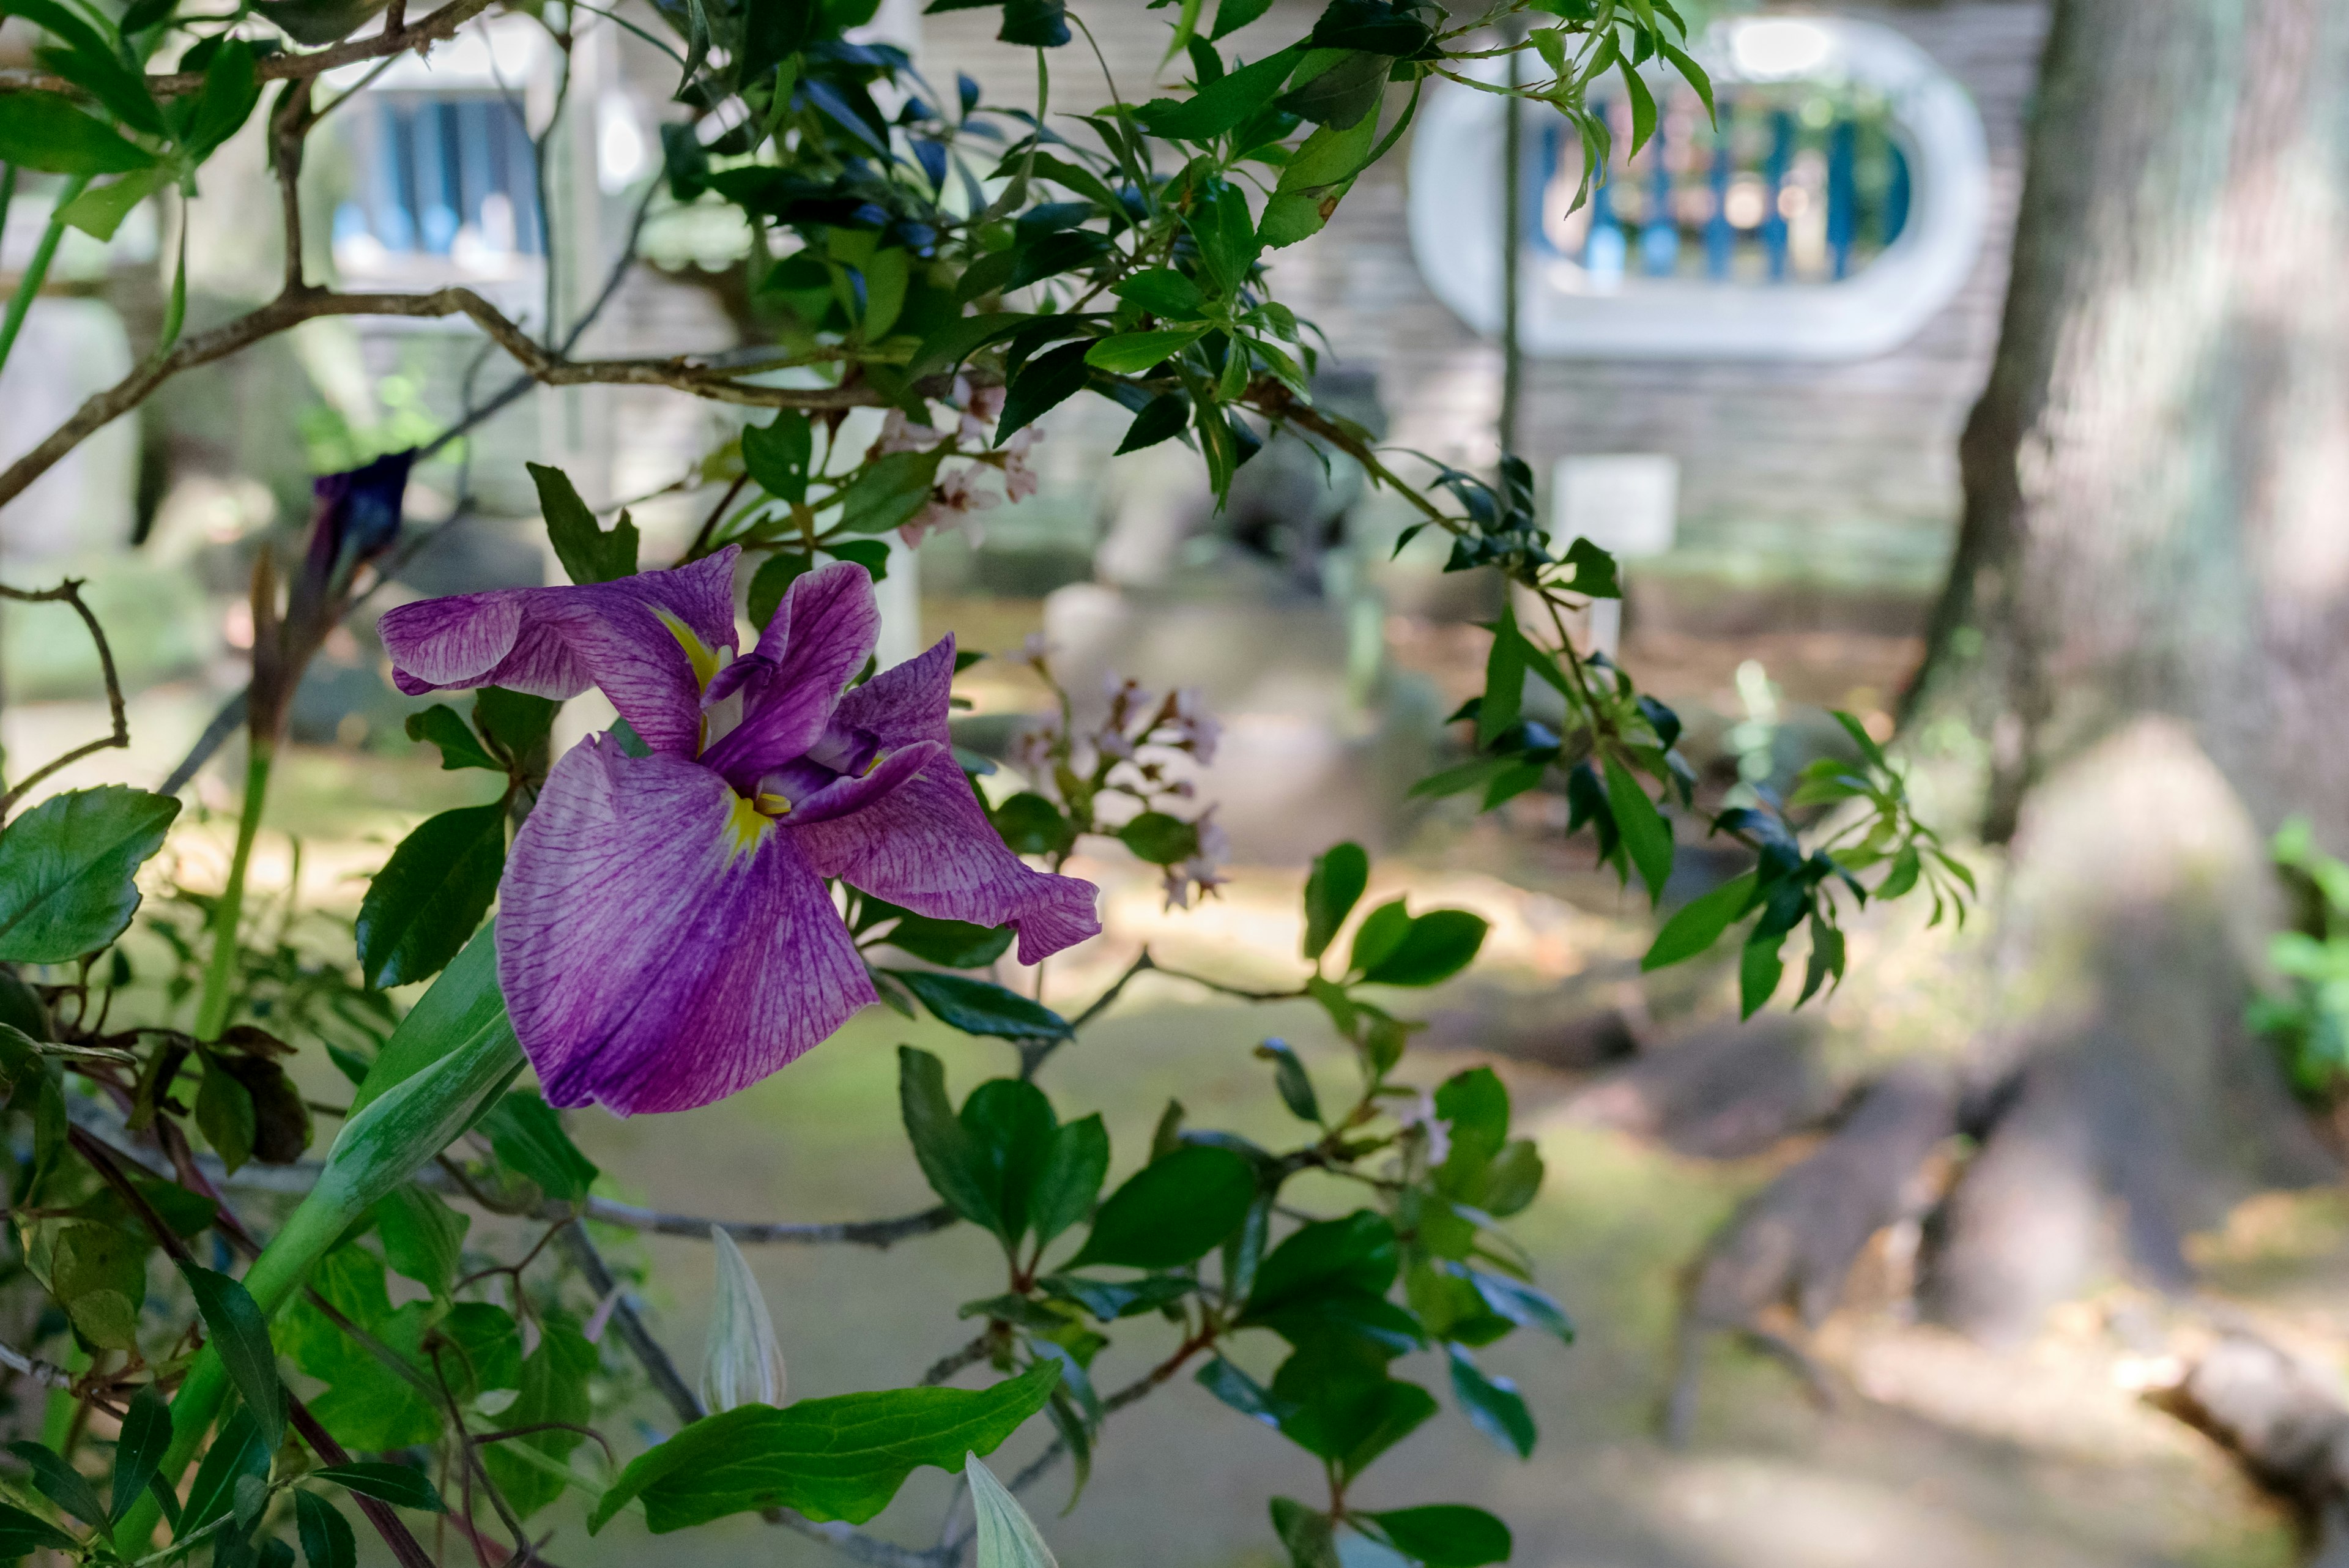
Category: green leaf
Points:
column 440, row 725
column 1163, row 291
column 229, row 93
column 326, row 1540
column 1159, row 838
column 422, row 1236
column 61, row 1483
column 240, row 1334
column 1357, row 1253
column 1902, row 876
column 1035, row 24
column 1379, row 934
column 949, row 944
column 98, row 210
column 1010, row 1126
column 99, row 1275
column 1339, row 876
column 515, row 722
column 1031, row 825
column 528, row 1136
column 773, row 578
column 1231, row 15
column 1445, row 1535
column 1290, row 1077
column 1594, row 571
column 427, row 902
column 1307, row 1532
column 1221, row 105
column 237, row 1452
column 946, row 349
column 1344, row 93
column 1344, row 1409
column 1522, row 1305
column 1228, row 247
column 139, row 1450
column 1131, row 353
column 554, row 1386
column 394, row 1484
column 888, row 491
column 1692, row 73
column 1513, row 1180
column 1699, row 923
column 1758, row 970
column 843, row 1457
column 588, row 554
column 979, row 1007
column 1007, row 1537
column 1493, row 1406
column 1646, row 834
column 225, row 1115
column 1044, row 383
column 1643, row 105
column 22, row 1533
column 44, row 130
column 67, row 866
column 1437, row 946
column 779, row 454
column 1241, row 1392
column 1074, row 1170
column 942, row 1147
column 1172, row 1211
column 1161, row 419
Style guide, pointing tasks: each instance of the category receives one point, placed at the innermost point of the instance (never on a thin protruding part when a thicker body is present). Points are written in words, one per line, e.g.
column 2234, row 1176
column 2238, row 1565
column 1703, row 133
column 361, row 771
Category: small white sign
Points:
column 1627, row 503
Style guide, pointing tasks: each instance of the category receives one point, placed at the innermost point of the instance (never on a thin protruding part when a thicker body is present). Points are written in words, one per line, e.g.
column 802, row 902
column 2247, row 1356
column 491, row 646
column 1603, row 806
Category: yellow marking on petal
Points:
column 744, row 829
column 703, row 658
column 875, row 762
column 773, row 804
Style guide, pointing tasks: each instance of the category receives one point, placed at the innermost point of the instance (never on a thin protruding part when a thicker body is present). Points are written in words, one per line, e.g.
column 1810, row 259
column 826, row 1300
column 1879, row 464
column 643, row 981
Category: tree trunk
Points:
column 2147, row 616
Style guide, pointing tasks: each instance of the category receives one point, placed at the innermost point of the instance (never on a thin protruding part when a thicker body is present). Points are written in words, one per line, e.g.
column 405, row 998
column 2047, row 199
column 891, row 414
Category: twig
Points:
column 69, row 592
column 392, row 40
column 49, row 1374
column 1034, row 1054
column 954, row 1360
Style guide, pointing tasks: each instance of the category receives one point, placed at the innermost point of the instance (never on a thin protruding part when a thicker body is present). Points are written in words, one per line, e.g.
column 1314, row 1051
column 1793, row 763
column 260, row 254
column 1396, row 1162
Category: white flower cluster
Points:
column 958, row 496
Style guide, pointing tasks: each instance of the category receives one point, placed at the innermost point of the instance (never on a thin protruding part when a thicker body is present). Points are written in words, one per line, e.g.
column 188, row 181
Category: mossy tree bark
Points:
column 2147, row 617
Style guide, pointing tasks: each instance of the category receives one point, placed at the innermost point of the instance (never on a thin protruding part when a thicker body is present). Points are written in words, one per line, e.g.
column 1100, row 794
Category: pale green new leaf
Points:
column 1007, row 1536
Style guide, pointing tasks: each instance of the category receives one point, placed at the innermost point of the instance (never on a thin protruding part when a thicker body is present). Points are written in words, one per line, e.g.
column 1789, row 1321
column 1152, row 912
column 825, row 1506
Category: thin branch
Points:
column 954, row 1360
column 1034, row 1054
column 49, row 1374
column 394, row 39
column 69, row 592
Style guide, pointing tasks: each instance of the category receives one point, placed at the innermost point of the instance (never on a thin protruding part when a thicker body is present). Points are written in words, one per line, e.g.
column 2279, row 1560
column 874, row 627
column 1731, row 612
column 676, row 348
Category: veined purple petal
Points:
column 659, row 944
column 928, row 844
column 850, row 793
column 628, row 636
column 821, row 636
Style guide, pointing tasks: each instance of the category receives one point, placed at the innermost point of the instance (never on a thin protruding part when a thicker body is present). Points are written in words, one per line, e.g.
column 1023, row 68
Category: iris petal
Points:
column 655, row 951
column 557, row 642
column 821, row 636
column 927, row 844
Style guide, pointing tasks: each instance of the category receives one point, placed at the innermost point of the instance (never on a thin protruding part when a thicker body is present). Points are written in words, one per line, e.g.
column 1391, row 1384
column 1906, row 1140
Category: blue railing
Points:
column 1798, row 185
column 433, row 166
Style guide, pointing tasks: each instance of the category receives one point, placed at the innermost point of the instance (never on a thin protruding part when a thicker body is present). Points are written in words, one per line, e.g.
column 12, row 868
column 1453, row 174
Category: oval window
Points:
column 1837, row 204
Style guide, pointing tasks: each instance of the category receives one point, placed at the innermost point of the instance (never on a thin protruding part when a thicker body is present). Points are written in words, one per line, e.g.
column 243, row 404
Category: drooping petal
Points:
column 649, row 641
column 854, row 792
column 661, row 946
column 820, row 637
column 928, row 844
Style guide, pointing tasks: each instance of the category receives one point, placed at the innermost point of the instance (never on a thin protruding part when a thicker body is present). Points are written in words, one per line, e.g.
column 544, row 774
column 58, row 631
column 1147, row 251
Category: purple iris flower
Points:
column 664, row 936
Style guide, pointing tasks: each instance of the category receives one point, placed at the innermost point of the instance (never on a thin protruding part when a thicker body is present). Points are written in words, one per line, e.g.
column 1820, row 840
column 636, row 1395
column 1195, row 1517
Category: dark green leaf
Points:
column 1045, row 382
column 1241, row 1392
column 779, row 454
column 1226, row 234
column 22, row 1533
column 326, row 1540
column 949, row 944
column 528, row 1136
column 1594, row 571
column 225, row 1115
column 1476, row 1105
column 1344, row 1409
column 239, row 1333
column 515, row 720
column 229, row 93
column 1172, row 1211
column 1163, row 291
column 396, row 1484
column 1513, row 1179
column 588, row 554
column 1493, row 1406
column 237, row 1452
column 1643, row 105
column 1159, row 838
column 440, row 725
column 138, row 1451
column 843, row 1457
column 1699, row 922
column 888, row 491
column 554, row 1382
column 1289, row 1076
column 66, row 867
column 1759, row 968
column 1031, row 825
column 60, row 1482
column 773, row 578
column 1646, row 834
column 946, row 349
column 1231, row 15
column 1522, row 1305
column 1051, row 255
column 1161, row 419
column 979, row 1007
column 1108, row 1300
column 1331, row 891
column 1343, row 95
column 1221, row 105
column 941, row 1145
column 1445, row 1535
column 1010, row 1125
column 1356, row 1253
column 427, row 902
column 1437, row 946
column 1035, row 24
column 1131, row 353
column 1074, row 1169
column 44, row 130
